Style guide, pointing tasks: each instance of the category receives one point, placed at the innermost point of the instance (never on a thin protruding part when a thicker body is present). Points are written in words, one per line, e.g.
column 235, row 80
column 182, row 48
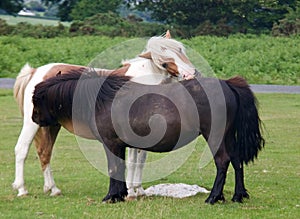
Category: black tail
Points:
column 247, row 123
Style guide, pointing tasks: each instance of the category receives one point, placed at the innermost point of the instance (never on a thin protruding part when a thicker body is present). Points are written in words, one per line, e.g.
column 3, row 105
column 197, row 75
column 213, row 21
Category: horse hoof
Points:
column 239, row 197
column 140, row 192
column 112, row 199
column 210, row 201
column 22, row 193
column 17, row 186
column 246, row 195
column 213, row 199
column 131, row 198
column 55, row 192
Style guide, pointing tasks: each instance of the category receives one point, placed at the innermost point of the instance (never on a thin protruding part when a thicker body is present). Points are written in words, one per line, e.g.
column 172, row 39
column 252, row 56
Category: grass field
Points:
column 272, row 181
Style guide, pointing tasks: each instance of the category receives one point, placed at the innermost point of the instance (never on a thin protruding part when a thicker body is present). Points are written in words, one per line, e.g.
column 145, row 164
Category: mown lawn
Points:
column 272, row 181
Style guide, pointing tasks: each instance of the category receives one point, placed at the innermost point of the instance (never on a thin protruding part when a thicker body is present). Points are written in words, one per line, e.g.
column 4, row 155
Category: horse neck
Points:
column 145, row 71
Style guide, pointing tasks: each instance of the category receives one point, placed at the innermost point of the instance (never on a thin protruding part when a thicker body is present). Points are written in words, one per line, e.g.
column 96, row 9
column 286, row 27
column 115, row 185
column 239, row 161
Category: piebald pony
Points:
column 150, row 65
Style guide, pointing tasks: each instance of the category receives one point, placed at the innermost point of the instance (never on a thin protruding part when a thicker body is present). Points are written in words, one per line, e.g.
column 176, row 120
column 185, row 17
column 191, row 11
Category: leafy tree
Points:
column 241, row 14
column 80, row 9
column 11, row 6
column 64, row 8
column 182, row 12
column 88, row 8
column 35, row 6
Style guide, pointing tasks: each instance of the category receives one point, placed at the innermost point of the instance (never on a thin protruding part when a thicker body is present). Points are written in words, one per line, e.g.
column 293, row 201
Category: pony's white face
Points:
column 169, row 54
column 162, row 57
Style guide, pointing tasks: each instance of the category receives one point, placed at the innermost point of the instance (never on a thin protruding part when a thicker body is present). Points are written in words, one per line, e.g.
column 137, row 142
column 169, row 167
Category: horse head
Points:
column 169, row 54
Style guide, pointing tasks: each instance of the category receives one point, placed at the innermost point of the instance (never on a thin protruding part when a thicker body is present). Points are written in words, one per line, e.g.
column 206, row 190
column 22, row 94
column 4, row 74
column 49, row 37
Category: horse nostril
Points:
column 164, row 65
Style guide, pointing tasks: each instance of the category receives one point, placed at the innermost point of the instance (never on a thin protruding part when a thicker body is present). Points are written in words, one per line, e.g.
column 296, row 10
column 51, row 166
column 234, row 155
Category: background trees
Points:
column 238, row 14
column 11, row 6
column 188, row 17
column 87, row 8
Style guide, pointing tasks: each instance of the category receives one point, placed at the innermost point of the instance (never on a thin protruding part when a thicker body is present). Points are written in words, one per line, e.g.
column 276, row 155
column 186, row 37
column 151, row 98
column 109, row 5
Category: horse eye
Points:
column 164, row 65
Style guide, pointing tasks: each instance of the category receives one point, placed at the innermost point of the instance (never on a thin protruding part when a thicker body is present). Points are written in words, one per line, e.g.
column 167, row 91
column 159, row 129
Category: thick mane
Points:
column 163, row 50
column 58, row 92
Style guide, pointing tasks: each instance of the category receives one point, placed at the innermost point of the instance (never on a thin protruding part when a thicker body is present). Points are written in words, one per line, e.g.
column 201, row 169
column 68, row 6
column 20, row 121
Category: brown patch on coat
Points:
column 66, row 68
column 171, row 67
column 81, row 129
column 63, row 69
column 44, row 141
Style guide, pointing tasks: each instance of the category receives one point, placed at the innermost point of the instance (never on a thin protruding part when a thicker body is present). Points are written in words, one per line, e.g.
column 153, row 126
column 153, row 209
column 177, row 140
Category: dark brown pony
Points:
column 186, row 110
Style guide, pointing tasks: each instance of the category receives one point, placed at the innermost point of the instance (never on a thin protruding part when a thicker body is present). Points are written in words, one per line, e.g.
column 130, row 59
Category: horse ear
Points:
column 146, row 55
column 168, row 35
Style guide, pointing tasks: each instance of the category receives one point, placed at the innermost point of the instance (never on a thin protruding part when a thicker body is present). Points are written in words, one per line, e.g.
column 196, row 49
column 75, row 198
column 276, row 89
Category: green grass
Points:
column 260, row 59
column 12, row 20
column 272, row 181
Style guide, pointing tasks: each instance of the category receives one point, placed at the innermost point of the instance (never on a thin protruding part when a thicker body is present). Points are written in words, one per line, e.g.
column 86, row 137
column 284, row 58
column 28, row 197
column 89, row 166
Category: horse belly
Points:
column 78, row 128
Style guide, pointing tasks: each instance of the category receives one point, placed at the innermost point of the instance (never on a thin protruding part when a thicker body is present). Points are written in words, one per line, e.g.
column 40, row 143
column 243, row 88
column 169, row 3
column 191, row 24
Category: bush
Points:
column 286, row 27
column 5, row 29
column 208, row 28
column 112, row 25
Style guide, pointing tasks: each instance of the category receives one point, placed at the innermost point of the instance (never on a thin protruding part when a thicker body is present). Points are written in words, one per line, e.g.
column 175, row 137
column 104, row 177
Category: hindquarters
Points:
column 242, row 139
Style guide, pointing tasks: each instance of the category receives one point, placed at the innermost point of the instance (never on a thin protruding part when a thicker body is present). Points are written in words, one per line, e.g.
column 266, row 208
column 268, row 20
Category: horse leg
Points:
column 27, row 134
column 141, row 158
column 136, row 161
column 44, row 142
column 132, row 159
column 222, row 160
column 240, row 191
column 116, row 170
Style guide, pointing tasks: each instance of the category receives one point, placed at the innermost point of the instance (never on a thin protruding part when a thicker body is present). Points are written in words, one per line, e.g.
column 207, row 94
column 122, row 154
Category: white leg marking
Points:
column 132, row 156
column 141, row 158
column 49, row 182
column 21, row 151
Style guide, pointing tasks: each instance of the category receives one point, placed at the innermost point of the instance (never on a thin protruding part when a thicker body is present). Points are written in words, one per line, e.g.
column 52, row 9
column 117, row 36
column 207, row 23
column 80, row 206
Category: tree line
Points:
column 194, row 17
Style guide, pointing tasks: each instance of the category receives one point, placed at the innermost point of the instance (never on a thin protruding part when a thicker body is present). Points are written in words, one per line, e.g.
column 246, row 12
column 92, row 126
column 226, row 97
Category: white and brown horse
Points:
column 172, row 60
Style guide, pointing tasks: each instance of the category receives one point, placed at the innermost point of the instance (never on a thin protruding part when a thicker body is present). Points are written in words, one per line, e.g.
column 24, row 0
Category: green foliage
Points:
column 11, row 6
column 16, row 51
column 286, row 27
column 88, row 8
column 208, row 28
column 5, row 29
column 247, row 16
column 112, row 25
column 290, row 25
column 25, row 29
column 35, row 6
column 260, row 59
column 272, row 181
column 65, row 8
